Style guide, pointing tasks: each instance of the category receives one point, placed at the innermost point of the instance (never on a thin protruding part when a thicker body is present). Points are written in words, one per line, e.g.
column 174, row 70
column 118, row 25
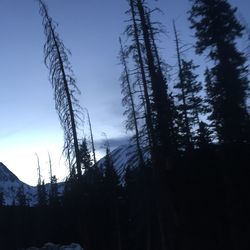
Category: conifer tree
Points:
column 64, row 86
column 111, row 189
column 2, row 200
column 160, row 99
column 85, row 155
column 41, row 195
column 216, row 30
column 210, row 100
column 111, row 176
column 191, row 105
column 21, row 199
column 54, row 194
column 204, row 135
column 159, row 119
column 182, row 96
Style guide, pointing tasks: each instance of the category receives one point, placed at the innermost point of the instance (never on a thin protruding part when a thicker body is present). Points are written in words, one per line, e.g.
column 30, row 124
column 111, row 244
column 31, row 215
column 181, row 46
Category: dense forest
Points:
column 190, row 187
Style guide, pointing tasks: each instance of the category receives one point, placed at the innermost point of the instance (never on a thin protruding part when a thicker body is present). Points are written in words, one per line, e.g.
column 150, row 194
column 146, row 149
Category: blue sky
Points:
column 90, row 29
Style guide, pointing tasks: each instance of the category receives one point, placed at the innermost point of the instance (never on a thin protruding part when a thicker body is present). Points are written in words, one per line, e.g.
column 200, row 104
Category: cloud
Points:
column 113, row 142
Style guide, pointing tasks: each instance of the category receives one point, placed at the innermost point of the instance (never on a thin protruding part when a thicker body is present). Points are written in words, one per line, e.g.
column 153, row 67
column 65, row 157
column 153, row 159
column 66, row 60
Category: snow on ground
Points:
column 51, row 246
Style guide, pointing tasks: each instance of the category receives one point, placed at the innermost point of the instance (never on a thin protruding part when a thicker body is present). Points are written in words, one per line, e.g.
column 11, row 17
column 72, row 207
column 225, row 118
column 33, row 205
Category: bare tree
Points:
column 64, row 86
column 38, row 170
column 91, row 137
column 129, row 103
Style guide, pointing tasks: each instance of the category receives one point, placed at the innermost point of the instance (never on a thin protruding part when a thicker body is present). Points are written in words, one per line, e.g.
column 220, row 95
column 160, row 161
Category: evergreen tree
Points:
column 204, row 135
column 21, row 199
column 85, row 155
column 192, row 89
column 211, row 97
column 65, row 89
column 2, row 200
column 41, row 195
column 110, row 174
column 159, row 113
column 217, row 29
column 160, row 99
column 53, row 194
column 182, row 96
column 111, row 190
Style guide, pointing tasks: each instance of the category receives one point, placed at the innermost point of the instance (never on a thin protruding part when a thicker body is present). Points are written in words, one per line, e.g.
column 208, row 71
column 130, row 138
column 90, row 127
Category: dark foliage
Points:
column 210, row 190
column 216, row 29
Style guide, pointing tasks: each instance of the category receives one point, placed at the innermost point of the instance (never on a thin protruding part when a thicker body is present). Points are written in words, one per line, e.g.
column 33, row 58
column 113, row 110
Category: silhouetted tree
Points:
column 159, row 113
column 111, row 190
column 158, row 84
column 211, row 97
column 134, row 32
column 21, row 199
column 53, row 190
column 204, row 137
column 217, row 29
column 91, row 137
column 42, row 200
column 2, row 200
column 182, row 96
column 53, row 193
column 85, row 155
column 39, row 170
column 129, row 102
column 65, row 89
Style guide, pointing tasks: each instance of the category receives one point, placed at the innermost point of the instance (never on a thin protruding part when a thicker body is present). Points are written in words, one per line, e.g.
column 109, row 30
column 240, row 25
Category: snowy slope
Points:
column 123, row 156
column 9, row 184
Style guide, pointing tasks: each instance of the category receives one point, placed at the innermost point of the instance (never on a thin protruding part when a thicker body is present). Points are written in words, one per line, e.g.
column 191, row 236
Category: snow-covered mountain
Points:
column 123, row 156
column 9, row 184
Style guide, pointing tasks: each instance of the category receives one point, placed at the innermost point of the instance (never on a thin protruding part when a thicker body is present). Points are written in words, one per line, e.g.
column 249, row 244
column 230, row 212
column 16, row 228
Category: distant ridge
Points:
column 122, row 157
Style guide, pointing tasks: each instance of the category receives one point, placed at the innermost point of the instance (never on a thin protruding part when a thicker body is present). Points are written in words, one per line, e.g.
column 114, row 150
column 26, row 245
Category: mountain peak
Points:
column 6, row 174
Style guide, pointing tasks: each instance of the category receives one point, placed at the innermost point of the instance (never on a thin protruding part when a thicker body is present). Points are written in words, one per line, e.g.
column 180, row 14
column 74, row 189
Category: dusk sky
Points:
column 90, row 29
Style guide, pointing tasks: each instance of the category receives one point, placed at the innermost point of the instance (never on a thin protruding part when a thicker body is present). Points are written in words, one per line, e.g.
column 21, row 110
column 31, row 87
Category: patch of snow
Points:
column 51, row 246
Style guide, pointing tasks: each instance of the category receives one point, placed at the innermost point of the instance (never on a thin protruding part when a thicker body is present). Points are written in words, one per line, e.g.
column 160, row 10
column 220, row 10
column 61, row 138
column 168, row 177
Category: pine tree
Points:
column 111, row 189
column 182, row 96
column 217, row 29
column 41, row 195
column 21, row 199
column 54, row 194
column 160, row 98
column 210, row 100
column 204, row 138
column 159, row 115
column 85, row 155
column 111, row 176
column 65, row 89
column 2, row 200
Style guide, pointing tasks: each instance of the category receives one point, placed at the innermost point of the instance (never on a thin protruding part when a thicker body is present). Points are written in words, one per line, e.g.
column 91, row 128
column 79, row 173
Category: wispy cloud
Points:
column 113, row 142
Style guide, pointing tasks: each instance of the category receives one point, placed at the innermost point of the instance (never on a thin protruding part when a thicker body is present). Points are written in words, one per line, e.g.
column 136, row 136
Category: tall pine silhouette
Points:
column 216, row 30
